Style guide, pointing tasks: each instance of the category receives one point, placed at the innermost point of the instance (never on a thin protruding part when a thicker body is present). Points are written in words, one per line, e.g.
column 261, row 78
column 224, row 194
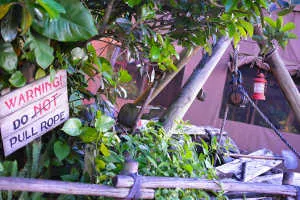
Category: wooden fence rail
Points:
column 123, row 181
column 123, row 184
column 62, row 187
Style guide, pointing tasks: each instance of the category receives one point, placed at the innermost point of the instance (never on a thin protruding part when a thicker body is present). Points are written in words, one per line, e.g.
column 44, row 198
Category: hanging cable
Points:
column 271, row 125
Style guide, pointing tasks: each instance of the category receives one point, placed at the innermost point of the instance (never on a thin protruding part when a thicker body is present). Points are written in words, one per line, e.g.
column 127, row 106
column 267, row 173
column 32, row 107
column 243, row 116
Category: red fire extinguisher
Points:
column 259, row 87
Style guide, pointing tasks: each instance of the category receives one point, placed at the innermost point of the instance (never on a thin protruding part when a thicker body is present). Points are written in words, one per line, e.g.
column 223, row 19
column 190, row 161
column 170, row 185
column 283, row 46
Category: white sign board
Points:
column 29, row 112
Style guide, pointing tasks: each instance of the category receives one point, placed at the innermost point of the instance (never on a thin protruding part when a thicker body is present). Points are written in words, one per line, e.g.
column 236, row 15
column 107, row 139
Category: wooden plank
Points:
column 62, row 187
column 197, row 183
column 30, row 93
column 276, row 179
column 33, row 112
column 27, row 134
column 253, row 167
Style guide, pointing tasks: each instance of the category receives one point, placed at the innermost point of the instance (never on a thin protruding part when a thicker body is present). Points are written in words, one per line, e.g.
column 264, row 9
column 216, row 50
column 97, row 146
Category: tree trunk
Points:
column 285, row 82
column 196, row 81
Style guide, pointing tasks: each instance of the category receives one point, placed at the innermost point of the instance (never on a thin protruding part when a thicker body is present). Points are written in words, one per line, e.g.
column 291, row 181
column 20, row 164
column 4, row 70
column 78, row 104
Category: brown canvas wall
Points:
column 248, row 137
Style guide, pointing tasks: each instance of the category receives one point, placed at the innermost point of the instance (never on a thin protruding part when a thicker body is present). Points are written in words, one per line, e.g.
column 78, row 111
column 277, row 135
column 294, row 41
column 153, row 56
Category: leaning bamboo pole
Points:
column 204, row 184
column 62, row 187
column 194, row 84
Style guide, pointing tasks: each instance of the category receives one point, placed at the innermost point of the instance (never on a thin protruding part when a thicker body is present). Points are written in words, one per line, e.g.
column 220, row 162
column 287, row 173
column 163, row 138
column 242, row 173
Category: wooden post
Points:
column 204, row 184
column 285, row 81
column 288, row 179
column 196, row 81
column 62, row 187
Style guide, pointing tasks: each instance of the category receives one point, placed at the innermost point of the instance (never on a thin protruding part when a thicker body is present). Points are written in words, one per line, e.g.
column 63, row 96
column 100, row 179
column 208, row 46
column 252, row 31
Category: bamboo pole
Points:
column 285, row 81
column 185, row 56
column 62, row 187
column 196, row 81
column 195, row 183
column 281, row 75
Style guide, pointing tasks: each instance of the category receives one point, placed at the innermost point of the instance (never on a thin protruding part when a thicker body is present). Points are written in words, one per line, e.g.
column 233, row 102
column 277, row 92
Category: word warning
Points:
column 31, row 111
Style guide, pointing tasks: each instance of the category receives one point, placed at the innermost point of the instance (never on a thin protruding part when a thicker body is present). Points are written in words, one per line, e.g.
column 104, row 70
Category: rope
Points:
column 271, row 125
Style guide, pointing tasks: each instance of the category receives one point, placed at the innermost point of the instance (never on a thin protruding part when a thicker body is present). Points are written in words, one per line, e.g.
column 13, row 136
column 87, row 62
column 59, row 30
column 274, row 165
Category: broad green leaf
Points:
column 288, row 26
column 4, row 9
column 188, row 168
column 52, row 7
column 72, row 127
column 248, row 26
column 133, row 3
column 104, row 150
column 75, row 25
column 26, row 20
column 242, row 31
column 285, row 11
column 40, row 73
column 17, row 79
column 279, row 22
column 42, row 50
column 100, row 164
column 61, row 150
column 270, row 21
column 52, row 73
column 124, row 76
column 8, row 57
column 236, row 39
column 231, row 29
column 88, row 134
column 154, row 53
column 104, row 123
column 292, row 36
column 9, row 26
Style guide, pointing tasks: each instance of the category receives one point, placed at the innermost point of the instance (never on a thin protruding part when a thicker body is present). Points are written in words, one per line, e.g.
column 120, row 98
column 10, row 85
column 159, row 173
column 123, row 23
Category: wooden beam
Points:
column 204, row 184
column 194, row 84
column 62, row 187
column 253, row 167
column 285, row 81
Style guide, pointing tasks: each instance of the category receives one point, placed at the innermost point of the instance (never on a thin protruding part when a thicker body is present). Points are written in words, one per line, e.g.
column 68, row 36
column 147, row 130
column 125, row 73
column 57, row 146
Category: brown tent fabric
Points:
column 248, row 137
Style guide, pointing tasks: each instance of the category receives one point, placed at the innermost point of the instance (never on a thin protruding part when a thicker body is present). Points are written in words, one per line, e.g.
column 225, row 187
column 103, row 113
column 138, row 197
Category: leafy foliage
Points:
column 56, row 34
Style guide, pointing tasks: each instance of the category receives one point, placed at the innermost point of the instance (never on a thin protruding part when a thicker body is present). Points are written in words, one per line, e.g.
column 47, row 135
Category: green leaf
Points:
column 75, row 25
column 100, row 164
column 188, row 168
column 17, row 79
column 248, row 26
column 52, row 73
column 40, row 73
column 279, row 22
column 72, row 127
column 88, row 134
column 104, row 123
column 26, row 20
column 8, row 57
column 9, row 26
column 288, row 26
column 154, row 53
column 104, row 150
column 61, row 150
column 285, row 11
column 124, row 76
column 270, row 21
column 4, row 9
column 133, row 3
column 42, row 51
column 292, row 36
column 52, row 7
